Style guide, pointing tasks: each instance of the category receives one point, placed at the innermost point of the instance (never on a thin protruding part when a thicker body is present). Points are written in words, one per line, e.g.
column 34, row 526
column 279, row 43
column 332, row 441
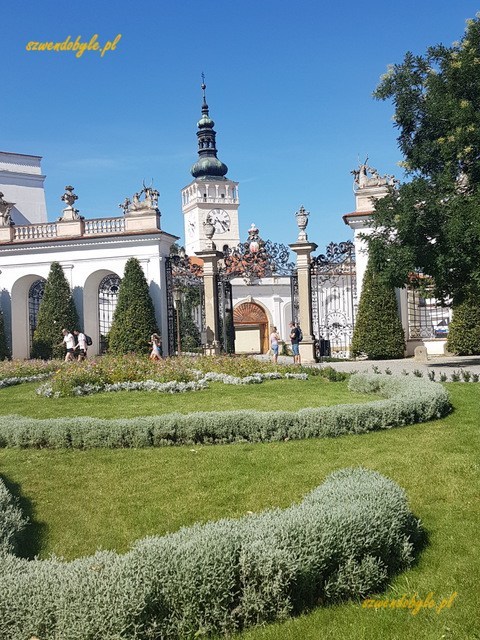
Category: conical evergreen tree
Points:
column 4, row 350
column 134, row 318
column 57, row 311
column 464, row 332
column 378, row 330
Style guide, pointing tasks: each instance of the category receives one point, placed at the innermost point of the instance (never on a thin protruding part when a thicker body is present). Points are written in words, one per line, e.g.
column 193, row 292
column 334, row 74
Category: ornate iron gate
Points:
column 334, row 299
column 226, row 329
column 185, row 280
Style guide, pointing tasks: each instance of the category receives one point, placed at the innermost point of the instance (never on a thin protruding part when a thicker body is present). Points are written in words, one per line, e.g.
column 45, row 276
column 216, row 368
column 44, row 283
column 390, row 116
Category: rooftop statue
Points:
column 5, row 217
column 366, row 176
column 136, row 205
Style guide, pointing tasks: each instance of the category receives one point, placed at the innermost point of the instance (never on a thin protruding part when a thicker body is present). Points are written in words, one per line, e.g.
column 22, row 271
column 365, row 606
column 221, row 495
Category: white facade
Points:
column 22, row 183
column 85, row 261
column 272, row 297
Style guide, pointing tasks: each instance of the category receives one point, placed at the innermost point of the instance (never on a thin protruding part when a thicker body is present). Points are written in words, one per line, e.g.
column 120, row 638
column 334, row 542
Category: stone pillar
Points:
column 6, row 234
column 307, row 346
column 210, row 259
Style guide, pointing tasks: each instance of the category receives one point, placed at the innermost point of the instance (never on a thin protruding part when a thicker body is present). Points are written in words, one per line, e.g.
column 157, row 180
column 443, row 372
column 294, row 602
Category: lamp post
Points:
column 177, row 299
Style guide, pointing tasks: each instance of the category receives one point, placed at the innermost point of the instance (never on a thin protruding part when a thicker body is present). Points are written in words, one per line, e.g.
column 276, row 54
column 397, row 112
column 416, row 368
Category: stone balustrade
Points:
column 145, row 221
column 104, row 225
column 28, row 232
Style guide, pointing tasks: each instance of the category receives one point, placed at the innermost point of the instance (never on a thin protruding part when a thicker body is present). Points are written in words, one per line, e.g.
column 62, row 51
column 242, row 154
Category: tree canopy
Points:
column 431, row 223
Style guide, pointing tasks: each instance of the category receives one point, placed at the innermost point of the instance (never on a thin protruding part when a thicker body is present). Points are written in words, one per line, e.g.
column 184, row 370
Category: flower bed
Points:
column 172, row 375
column 344, row 540
column 25, row 370
column 406, row 401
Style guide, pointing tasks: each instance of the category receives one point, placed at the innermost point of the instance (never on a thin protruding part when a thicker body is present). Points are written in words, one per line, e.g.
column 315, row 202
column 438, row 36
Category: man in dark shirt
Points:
column 295, row 340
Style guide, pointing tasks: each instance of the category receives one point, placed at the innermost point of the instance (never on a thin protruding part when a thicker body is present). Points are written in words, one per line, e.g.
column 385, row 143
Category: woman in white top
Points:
column 69, row 341
column 274, row 338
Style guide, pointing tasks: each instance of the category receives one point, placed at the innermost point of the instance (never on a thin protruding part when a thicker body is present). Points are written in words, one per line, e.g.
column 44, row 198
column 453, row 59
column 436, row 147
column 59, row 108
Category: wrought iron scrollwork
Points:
column 256, row 259
column 337, row 256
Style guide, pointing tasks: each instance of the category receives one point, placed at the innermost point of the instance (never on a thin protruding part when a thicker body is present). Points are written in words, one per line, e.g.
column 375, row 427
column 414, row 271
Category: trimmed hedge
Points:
column 12, row 522
column 344, row 540
column 407, row 401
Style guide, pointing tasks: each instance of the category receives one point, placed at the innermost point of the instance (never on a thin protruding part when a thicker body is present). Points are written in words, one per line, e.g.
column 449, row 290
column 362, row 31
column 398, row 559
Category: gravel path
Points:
column 439, row 364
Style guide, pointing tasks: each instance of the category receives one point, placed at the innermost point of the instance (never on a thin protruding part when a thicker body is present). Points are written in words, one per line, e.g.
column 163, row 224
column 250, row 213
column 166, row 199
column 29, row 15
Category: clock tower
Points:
column 210, row 192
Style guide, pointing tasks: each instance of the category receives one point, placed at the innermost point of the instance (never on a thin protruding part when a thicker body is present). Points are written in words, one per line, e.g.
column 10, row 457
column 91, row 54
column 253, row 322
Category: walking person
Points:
column 156, row 342
column 69, row 341
column 295, row 340
column 274, row 340
column 81, row 344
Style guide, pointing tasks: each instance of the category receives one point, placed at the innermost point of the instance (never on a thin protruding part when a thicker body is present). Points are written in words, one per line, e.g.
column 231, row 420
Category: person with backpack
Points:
column 82, row 344
column 295, row 338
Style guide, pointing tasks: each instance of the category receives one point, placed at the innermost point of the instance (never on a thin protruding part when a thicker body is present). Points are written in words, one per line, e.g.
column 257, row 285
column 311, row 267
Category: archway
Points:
column 99, row 300
column 25, row 302
column 251, row 328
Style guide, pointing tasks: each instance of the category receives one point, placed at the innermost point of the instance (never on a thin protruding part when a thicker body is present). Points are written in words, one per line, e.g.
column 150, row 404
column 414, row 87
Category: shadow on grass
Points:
column 30, row 540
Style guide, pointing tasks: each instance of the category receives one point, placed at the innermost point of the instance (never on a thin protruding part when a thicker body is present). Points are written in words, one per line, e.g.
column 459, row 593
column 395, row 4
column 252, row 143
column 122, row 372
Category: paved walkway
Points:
column 440, row 364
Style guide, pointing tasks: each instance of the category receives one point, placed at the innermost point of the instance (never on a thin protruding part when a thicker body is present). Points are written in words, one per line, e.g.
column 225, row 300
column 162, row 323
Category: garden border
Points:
column 407, row 401
column 345, row 539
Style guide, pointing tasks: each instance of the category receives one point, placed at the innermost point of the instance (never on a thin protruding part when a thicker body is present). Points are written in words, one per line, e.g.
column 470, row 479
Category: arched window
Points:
column 107, row 301
column 35, row 295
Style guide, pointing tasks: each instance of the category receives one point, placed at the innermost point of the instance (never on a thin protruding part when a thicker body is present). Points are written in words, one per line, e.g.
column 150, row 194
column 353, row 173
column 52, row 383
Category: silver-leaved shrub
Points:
column 344, row 540
column 405, row 401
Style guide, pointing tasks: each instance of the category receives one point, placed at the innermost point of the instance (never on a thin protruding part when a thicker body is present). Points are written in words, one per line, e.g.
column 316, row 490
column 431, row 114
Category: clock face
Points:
column 221, row 220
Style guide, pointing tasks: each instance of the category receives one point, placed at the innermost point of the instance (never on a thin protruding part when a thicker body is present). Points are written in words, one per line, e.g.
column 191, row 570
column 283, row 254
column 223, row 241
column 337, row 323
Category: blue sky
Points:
column 289, row 85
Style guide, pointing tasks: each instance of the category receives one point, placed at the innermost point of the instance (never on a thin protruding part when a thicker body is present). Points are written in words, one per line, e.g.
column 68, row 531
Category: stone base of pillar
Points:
column 148, row 220
column 212, row 349
column 68, row 228
column 6, row 234
column 307, row 351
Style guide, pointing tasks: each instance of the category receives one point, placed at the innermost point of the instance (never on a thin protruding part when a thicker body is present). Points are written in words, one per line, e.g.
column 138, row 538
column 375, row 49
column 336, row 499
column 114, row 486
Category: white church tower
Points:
column 210, row 192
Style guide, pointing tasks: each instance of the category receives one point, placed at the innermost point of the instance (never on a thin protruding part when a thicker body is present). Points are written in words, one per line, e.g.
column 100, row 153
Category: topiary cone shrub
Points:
column 57, row 311
column 378, row 331
column 134, row 317
column 464, row 331
column 4, row 350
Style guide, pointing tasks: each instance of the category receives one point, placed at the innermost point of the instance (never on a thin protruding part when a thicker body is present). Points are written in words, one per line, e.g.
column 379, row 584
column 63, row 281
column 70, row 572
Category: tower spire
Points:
column 208, row 166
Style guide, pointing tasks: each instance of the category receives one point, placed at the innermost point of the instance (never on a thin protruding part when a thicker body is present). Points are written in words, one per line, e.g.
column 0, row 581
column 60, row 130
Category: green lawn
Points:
column 270, row 395
column 80, row 501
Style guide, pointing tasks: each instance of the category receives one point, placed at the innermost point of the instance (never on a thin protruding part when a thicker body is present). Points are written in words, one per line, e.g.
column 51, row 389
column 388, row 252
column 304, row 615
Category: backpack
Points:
column 88, row 340
column 300, row 335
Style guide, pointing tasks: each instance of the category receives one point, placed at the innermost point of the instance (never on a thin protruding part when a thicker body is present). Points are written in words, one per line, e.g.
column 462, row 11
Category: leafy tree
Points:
column 57, row 311
column 378, row 330
column 432, row 222
column 464, row 333
column 4, row 350
column 134, row 318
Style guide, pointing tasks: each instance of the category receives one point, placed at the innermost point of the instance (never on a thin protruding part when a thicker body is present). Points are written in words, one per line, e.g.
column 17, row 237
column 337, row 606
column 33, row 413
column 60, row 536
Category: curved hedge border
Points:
column 344, row 540
column 407, row 401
